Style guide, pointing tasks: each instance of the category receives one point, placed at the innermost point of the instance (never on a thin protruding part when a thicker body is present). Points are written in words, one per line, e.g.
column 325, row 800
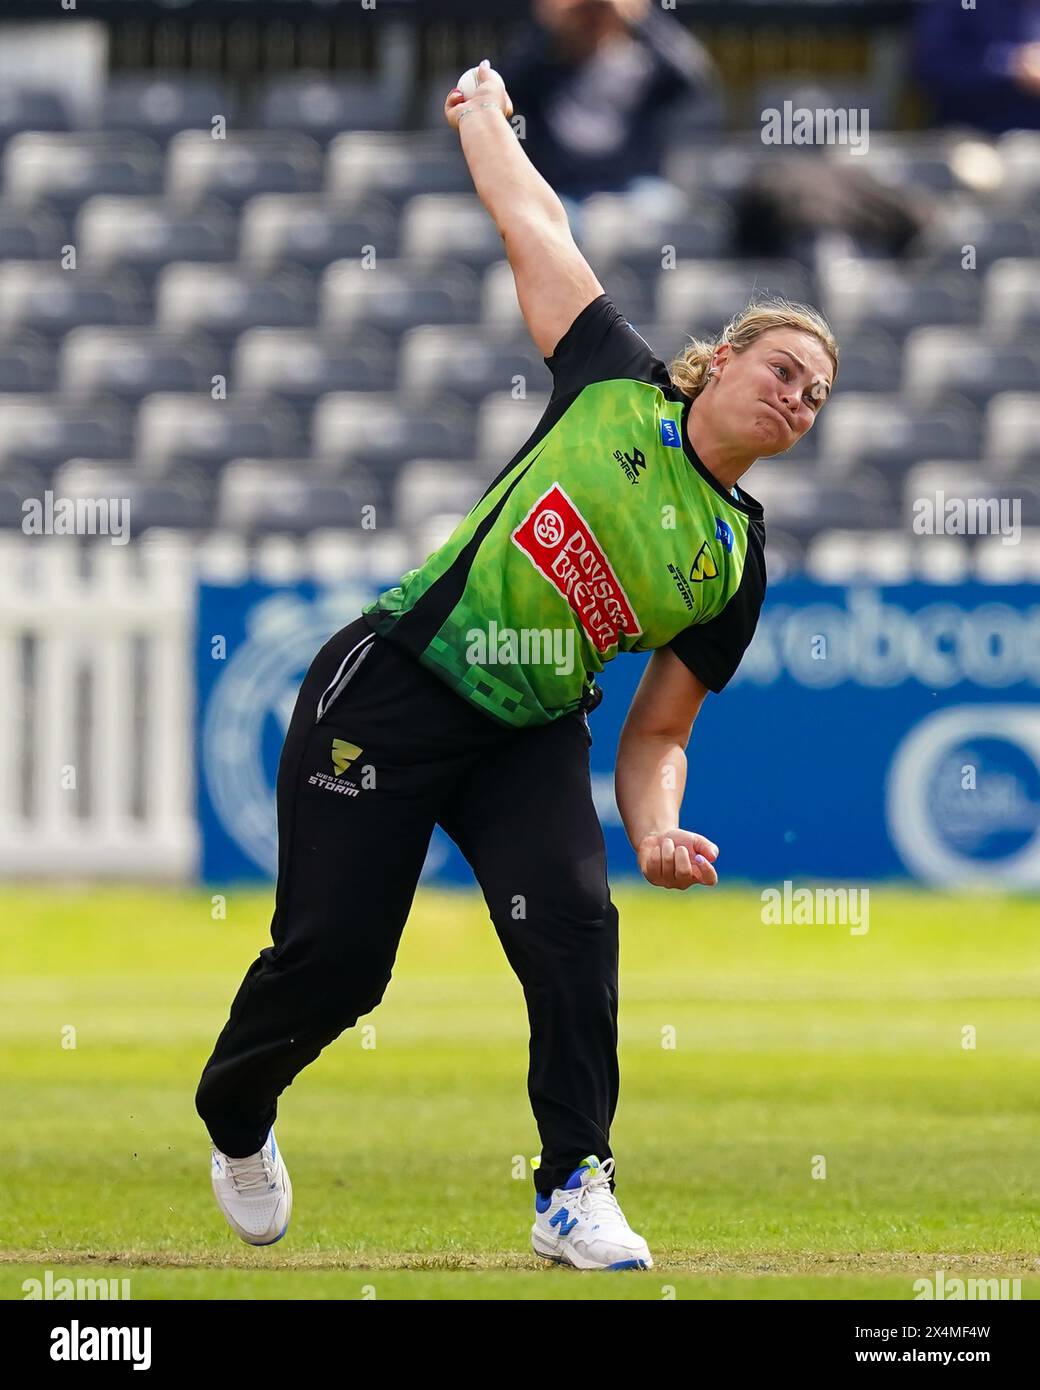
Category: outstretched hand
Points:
column 677, row 859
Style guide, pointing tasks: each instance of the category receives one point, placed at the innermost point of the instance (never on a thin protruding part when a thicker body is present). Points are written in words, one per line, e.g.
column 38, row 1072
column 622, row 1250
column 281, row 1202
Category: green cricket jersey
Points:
column 604, row 534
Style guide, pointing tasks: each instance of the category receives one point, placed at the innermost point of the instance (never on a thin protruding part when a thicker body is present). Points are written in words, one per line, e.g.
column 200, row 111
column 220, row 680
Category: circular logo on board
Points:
column 963, row 797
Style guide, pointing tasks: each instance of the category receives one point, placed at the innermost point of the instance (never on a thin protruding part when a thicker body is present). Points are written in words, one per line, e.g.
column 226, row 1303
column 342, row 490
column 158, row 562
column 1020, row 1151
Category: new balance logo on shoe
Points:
column 564, row 1220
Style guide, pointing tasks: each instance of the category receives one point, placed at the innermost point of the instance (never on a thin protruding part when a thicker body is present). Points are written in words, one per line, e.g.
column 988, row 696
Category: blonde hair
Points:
column 689, row 370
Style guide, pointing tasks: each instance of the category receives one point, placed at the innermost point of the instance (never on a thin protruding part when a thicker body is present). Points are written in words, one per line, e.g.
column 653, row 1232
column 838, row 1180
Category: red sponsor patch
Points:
column 561, row 545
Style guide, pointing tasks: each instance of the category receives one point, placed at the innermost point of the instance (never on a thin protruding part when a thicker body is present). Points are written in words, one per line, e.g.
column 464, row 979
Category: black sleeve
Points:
column 713, row 650
column 601, row 345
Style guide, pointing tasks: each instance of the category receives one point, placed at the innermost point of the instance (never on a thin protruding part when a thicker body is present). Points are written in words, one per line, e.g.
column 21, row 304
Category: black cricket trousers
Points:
column 353, row 831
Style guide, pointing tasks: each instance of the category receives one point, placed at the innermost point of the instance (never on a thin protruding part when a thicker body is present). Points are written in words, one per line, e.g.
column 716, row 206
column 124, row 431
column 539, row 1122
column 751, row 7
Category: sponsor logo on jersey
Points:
column 703, row 568
column 563, row 548
column 631, row 463
column 724, row 534
column 670, row 434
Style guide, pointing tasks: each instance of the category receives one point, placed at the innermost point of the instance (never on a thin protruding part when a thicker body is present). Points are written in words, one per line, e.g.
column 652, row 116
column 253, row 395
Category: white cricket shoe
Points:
column 254, row 1193
column 582, row 1225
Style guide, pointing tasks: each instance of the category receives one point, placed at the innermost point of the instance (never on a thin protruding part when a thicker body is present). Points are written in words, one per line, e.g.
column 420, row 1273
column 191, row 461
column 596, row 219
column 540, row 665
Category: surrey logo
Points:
column 631, row 463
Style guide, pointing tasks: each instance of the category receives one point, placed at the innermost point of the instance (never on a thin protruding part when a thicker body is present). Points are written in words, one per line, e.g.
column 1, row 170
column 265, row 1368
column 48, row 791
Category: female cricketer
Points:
column 460, row 698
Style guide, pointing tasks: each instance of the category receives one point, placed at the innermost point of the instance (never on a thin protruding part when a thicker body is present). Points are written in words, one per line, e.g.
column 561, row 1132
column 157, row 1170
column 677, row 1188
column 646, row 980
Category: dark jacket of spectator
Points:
column 595, row 124
column 970, row 62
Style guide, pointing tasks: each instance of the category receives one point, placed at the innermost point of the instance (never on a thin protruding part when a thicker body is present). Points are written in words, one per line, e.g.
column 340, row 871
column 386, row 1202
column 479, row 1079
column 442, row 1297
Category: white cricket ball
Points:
column 468, row 83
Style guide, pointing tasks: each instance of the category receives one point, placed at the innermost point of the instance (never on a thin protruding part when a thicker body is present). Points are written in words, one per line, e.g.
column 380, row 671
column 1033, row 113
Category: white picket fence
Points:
column 96, row 709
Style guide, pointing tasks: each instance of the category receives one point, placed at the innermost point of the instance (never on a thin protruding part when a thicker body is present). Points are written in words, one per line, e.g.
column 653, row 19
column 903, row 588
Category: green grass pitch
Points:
column 790, row 1043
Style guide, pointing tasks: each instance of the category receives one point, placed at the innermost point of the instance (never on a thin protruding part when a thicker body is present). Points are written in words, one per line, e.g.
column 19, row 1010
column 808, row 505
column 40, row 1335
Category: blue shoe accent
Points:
column 274, row 1146
column 628, row 1264
column 542, row 1204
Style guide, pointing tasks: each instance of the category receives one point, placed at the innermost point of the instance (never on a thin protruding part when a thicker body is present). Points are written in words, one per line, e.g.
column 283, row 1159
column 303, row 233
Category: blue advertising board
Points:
column 871, row 732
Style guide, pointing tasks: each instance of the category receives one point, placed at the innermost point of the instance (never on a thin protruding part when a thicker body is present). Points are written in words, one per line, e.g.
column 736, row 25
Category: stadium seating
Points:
column 267, row 329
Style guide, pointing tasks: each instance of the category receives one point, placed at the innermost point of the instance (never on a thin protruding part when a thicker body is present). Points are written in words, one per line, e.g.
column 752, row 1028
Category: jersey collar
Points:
column 745, row 502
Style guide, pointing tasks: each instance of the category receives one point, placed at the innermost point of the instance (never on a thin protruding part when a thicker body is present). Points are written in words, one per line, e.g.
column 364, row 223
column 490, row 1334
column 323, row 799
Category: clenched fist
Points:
column 677, row 859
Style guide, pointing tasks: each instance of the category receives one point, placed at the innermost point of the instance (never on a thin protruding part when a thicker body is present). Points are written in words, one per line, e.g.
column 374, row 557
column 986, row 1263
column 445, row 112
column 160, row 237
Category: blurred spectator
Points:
column 981, row 66
column 595, row 81
column 791, row 205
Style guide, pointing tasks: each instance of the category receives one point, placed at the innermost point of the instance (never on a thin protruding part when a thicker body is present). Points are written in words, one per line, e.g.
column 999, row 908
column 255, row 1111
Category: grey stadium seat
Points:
column 181, row 502
column 27, row 363
column 859, row 293
column 133, row 364
column 144, row 235
column 1011, row 302
column 43, row 431
column 30, row 234
column 707, row 166
column 1019, row 152
column 503, row 427
column 257, row 496
column 397, row 295
column 839, row 557
column 176, row 428
column 612, row 232
column 869, row 361
column 30, row 108
column 891, row 435
column 426, row 487
column 467, row 363
column 223, row 302
column 939, row 362
column 324, row 106
column 298, row 366
column 994, row 234
column 299, row 229
column 1012, row 432
column 449, row 226
column 965, row 481
column 63, row 171
column 907, row 161
column 371, row 431
column 802, row 502
column 397, row 166
column 238, row 168
column 51, row 301
column 500, row 308
column 706, row 294
column 161, row 104
column 18, row 484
